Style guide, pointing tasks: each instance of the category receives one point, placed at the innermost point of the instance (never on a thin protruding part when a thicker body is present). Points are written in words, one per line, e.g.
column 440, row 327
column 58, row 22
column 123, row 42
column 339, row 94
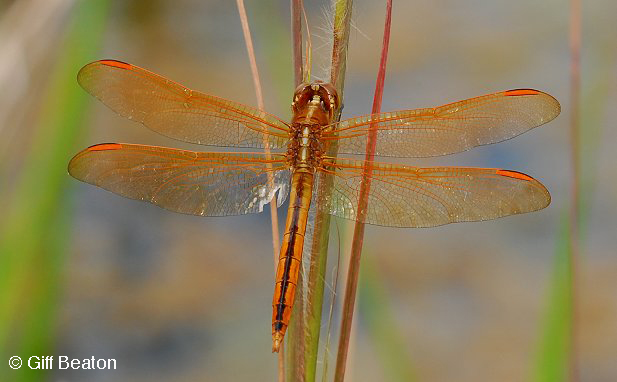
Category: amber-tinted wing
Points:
column 451, row 128
column 404, row 196
column 196, row 183
column 178, row 112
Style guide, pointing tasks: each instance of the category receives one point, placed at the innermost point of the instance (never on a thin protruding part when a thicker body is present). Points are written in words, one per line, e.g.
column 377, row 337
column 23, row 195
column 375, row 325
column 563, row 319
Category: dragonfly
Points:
column 289, row 159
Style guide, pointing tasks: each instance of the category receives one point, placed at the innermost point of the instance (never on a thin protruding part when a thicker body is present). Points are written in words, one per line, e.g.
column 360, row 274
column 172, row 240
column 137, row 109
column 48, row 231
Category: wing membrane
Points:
column 196, row 183
column 404, row 196
column 451, row 128
column 178, row 112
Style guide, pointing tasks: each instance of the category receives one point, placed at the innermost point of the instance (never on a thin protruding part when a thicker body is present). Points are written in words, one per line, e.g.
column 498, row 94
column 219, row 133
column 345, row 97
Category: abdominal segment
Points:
column 290, row 258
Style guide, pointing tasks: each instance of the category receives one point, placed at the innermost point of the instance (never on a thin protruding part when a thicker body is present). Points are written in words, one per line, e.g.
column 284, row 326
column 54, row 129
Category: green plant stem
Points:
column 321, row 232
column 295, row 337
column 296, row 40
column 295, row 347
column 342, row 23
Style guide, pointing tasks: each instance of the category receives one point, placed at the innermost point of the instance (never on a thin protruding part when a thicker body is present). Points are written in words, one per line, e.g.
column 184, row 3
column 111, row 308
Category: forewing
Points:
column 403, row 196
column 178, row 112
column 451, row 128
column 195, row 183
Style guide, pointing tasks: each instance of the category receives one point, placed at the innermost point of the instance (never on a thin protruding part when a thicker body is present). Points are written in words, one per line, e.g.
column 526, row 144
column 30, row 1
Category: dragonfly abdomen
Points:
column 290, row 258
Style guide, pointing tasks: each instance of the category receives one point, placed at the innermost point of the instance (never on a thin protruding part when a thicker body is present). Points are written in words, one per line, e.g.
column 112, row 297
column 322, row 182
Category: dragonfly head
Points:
column 322, row 95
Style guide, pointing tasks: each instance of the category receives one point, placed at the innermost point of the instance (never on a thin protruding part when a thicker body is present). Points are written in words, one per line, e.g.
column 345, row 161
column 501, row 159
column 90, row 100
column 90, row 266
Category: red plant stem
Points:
column 575, row 90
column 358, row 236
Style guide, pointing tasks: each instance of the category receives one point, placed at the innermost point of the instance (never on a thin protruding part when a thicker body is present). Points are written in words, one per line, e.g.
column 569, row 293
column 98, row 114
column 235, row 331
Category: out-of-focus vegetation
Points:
column 396, row 360
column 85, row 273
column 34, row 236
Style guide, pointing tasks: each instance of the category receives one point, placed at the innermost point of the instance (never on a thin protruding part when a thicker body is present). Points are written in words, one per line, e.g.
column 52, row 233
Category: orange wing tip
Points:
column 116, row 64
column 105, row 147
column 522, row 92
column 514, row 174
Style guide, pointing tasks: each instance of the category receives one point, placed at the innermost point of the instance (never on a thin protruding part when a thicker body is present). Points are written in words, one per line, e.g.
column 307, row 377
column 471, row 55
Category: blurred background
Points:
column 87, row 273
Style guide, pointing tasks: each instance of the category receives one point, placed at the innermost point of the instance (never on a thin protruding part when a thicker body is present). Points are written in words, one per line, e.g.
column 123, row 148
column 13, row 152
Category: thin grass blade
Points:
column 552, row 362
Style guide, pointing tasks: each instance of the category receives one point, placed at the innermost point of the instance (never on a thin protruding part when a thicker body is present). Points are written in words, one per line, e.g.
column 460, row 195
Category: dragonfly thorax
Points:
column 313, row 109
column 305, row 148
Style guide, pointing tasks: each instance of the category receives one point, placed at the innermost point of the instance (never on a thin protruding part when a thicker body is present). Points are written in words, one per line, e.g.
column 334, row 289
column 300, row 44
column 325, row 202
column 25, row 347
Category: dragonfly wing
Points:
column 404, row 196
column 196, row 183
column 451, row 128
column 179, row 112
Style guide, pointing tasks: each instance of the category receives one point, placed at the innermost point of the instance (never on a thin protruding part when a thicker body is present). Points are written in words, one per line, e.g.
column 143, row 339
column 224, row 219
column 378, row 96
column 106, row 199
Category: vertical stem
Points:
column 260, row 104
column 575, row 85
column 321, row 233
column 295, row 332
column 296, row 39
column 295, row 336
column 358, row 238
column 342, row 22
column 315, row 291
